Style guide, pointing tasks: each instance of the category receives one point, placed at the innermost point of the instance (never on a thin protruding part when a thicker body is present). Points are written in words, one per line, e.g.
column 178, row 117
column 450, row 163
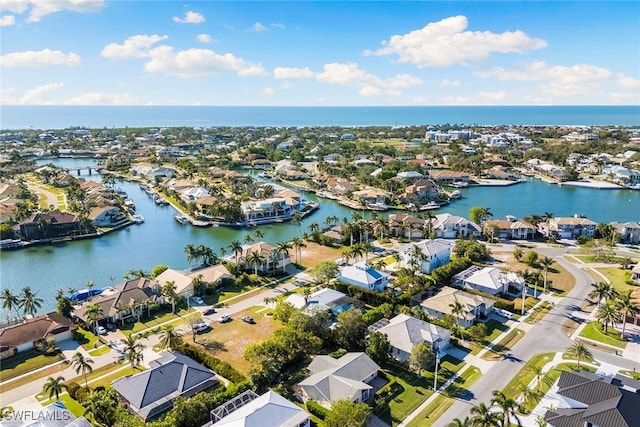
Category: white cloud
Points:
column 41, row 8
column 446, row 43
column 267, row 91
column 204, row 38
column 101, row 98
column 418, row 100
column 137, row 46
column 624, row 98
column 447, row 82
column 628, row 82
column 292, row 73
column 41, row 58
column 456, row 100
column 15, row 6
column 7, row 20
column 37, row 96
column 539, row 70
column 31, row 96
column 258, row 27
column 189, row 18
column 492, row 97
column 278, row 25
column 198, row 62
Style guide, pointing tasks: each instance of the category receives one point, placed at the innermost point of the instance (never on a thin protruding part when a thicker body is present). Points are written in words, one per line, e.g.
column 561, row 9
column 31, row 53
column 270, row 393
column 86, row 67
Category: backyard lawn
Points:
column 74, row 407
column 228, row 341
column 559, row 280
column 26, row 362
column 594, row 331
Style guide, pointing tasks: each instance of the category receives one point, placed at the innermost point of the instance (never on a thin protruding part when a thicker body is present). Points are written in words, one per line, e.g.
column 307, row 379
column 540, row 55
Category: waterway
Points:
column 161, row 239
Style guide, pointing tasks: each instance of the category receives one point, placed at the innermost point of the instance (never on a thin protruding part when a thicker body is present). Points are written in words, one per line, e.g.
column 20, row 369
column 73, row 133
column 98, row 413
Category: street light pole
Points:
column 435, row 376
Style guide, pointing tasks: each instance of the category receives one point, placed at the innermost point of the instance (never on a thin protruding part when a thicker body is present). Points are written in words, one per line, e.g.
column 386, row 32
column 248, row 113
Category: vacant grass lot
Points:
column 228, row 341
column 594, row 331
column 559, row 280
column 26, row 362
column 617, row 277
column 314, row 254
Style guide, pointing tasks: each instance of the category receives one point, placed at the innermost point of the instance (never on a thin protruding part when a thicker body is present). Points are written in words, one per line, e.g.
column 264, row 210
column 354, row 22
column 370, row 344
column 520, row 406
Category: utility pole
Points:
column 435, row 376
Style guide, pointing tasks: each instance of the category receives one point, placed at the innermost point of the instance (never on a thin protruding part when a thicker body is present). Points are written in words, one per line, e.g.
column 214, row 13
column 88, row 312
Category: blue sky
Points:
column 94, row 52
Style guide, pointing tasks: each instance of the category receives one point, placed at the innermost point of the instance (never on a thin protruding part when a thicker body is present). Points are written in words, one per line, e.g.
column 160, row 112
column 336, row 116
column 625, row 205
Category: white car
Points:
column 197, row 300
column 101, row 330
column 224, row 318
column 200, row 327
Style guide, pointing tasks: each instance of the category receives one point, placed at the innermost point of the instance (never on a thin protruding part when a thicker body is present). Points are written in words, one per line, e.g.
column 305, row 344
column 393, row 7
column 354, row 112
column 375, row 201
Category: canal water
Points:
column 161, row 239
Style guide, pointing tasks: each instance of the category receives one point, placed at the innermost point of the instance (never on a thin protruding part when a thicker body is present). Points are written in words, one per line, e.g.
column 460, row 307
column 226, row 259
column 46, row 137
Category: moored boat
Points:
column 182, row 219
column 138, row 219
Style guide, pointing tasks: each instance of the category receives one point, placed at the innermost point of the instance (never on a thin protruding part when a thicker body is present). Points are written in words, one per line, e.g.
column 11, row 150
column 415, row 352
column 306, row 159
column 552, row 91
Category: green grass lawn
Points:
column 86, row 339
column 539, row 312
column 74, row 407
column 182, row 315
column 524, row 376
column 494, row 329
column 106, row 380
column 100, row 351
column 617, row 277
column 25, row 362
column 594, row 331
column 504, row 345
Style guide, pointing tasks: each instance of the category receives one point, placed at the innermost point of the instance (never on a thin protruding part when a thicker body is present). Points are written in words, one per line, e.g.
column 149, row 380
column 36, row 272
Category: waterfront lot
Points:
column 228, row 341
column 314, row 254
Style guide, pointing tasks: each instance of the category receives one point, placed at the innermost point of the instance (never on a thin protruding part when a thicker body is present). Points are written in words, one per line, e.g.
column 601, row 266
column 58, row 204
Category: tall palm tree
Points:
column 526, row 392
column 626, row 307
column 93, row 314
column 461, row 423
column 482, row 416
column 132, row 350
column 82, row 364
column 54, row 386
column 545, row 262
column 607, row 314
column 190, row 252
column 94, row 405
column 602, row 290
column 169, row 291
column 236, row 247
column 258, row 234
column 283, row 251
column 539, row 376
column 10, row 301
column 256, row 259
column 248, row 239
column 508, row 406
column 29, row 301
column 579, row 351
column 169, row 337
column 298, row 244
column 457, row 310
column 313, row 227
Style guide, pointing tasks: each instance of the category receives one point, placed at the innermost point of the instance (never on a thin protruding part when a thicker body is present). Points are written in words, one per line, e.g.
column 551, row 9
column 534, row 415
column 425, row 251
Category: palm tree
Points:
column 483, row 417
column 539, row 376
column 10, row 301
column 169, row 338
column 545, row 262
column 313, row 227
column 132, row 350
column 508, row 406
column 29, row 302
column 298, row 244
column 169, row 291
column 283, row 251
column 94, row 405
column 607, row 314
column 236, row 247
column 457, row 310
column 461, row 423
column 248, row 239
column 82, row 364
column 626, row 307
column 258, row 234
column 191, row 252
column 526, row 392
column 297, row 220
column 579, row 351
column 256, row 259
column 602, row 290
column 93, row 313
column 54, row 386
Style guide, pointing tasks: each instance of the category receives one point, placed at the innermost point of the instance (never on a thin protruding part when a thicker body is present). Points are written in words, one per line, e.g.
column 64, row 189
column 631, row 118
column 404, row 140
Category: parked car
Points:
column 248, row 319
column 209, row 311
column 224, row 318
column 101, row 330
column 197, row 300
column 200, row 327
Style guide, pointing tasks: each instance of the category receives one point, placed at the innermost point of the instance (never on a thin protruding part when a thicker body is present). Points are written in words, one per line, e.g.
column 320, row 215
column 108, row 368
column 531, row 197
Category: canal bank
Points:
column 161, row 239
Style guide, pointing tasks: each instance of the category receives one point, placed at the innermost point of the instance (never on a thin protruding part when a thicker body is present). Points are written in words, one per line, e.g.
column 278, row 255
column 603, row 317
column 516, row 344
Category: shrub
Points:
column 317, row 410
column 222, row 368
column 72, row 389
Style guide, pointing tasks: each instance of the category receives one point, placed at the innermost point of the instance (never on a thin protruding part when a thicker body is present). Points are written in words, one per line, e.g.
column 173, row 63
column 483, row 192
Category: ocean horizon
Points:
column 43, row 117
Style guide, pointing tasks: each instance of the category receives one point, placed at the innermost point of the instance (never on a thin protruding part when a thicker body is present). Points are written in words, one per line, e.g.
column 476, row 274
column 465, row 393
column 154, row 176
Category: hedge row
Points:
column 218, row 366
column 317, row 409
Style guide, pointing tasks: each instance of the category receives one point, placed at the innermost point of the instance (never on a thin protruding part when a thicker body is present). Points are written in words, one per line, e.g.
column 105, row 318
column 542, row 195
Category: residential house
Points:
column 194, row 193
column 34, row 332
column 323, row 300
column 404, row 225
column 518, row 230
column 49, row 225
column 371, row 196
column 126, row 301
column 568, row 227
column 583, row 399
column 420, row 191
column 622, row 175
column 409, row 175
column 263, row 164
column 629, row 231
column 336, row 233
column 250, row 410
column 106, row 216
column 449, row 177
column 475, row 307
column 152, row 392
column 489, row 280
column 340, row 186
column 272, row 259
column 53, row 415
column 332, row 158
column 152, row 172
column 448, row 226
column 404, row 332
column 183, row 280
column 362, row 274
column 348, row 377
column 256, row 210
column 426, row 254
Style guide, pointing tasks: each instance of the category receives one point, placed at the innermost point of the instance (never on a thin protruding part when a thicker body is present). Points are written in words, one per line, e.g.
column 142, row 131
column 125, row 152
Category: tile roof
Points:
column 34, row 329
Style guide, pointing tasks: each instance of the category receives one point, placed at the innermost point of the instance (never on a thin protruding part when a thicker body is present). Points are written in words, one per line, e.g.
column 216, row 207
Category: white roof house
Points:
column 345, row 378
column 450, row 226
column 324, row 300
column 268, row 410
column 435, row 253
column 409, row 175
column 363, row 275
column 474, row 306
column 404, row 332
column 490, row 280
